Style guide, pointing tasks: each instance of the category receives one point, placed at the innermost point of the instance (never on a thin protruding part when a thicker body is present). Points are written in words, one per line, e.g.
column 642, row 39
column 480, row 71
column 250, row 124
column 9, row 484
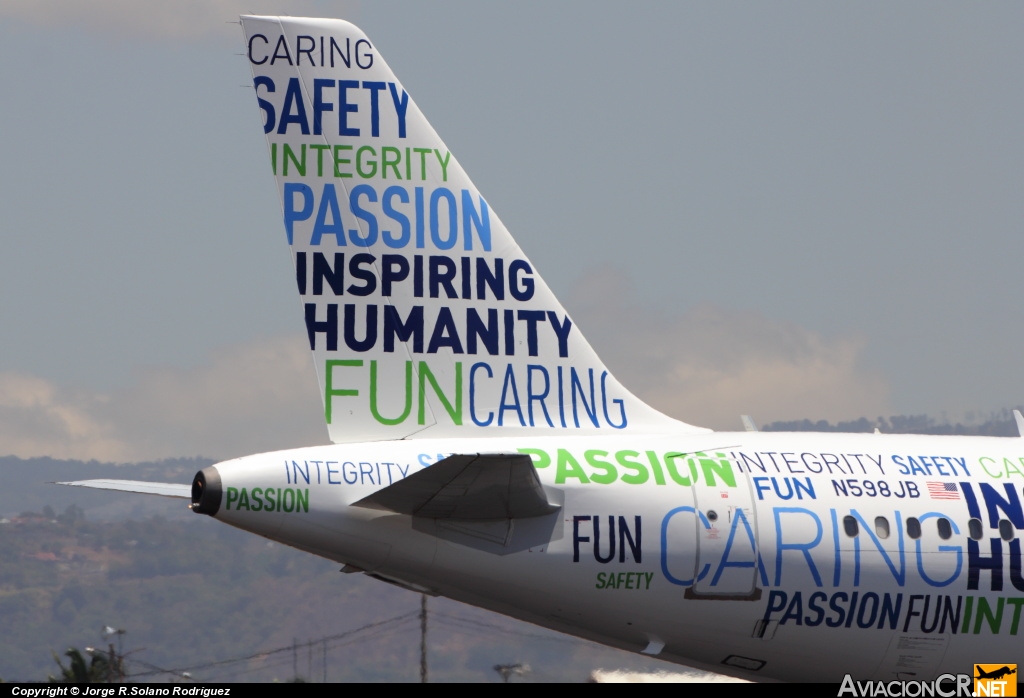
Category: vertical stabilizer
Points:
column 424, row 316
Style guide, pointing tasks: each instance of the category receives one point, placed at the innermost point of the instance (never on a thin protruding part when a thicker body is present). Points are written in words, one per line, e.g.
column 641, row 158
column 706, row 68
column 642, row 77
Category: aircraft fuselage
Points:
column 746, row 553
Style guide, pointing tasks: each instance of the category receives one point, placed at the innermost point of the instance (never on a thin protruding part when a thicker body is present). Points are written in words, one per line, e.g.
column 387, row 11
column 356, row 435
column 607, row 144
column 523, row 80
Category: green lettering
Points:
column 329, row 390
column 359, row 162
column 722, row 467
column 319, row 148
column 982, row 460
column 271, row 503
column 257, row 503
column 1011, row 468
column 670, row 464
column 243, row 500
column 985, row 612
column 1016, row 603
column 300, row 165
column 568, row 467
column 444, row 164
column 600, row 581
column 629, row 580
column 289, row 501
column 650, row 576
column 373, row 395
column 541, row 459
column 422, row 152
column 338, row 160
column 302, row 499
column 385, row 163
column 623, row 459
column 610, row 474
column 659, row 477
column 425, row 375
column 232, row 496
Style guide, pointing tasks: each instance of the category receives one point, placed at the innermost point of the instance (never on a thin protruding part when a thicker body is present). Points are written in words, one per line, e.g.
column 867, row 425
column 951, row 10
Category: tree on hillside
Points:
column 98, row 670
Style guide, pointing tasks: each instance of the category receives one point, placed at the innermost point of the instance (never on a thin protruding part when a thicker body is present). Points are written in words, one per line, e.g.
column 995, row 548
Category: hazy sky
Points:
column 822, row 204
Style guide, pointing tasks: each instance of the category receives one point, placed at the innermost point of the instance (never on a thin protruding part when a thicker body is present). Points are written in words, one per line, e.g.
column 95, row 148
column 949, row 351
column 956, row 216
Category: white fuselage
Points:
column 766, row 555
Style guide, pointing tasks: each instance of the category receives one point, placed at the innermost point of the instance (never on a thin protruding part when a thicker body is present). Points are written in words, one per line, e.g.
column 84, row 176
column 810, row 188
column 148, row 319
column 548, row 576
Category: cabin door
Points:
column 727, row 537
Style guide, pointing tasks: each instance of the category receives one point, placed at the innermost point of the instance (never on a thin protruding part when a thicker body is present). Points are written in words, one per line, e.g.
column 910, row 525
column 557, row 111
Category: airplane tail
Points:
column 424, row 316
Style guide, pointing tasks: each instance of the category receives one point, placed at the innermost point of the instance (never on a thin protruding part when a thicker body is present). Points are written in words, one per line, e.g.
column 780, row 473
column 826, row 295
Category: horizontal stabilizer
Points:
column 163, row 489
column 468, row 487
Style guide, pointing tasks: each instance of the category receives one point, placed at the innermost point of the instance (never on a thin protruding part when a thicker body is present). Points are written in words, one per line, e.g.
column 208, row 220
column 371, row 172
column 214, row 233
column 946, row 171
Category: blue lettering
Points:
column 291, row 214
column 804, row 548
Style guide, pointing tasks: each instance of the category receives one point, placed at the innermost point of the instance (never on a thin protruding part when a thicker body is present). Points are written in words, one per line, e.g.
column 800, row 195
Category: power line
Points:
column 375, row 630
column 286, row 648
column 373, row 635
column 471, row 624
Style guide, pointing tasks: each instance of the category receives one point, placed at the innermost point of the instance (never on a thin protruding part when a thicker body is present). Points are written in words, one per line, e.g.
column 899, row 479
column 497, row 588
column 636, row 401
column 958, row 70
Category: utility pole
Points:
column 507, row 671
column 423, row 638
column 115, row 662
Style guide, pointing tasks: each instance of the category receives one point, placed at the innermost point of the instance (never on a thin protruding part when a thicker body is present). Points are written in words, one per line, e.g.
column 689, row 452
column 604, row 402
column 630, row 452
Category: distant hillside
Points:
column 25, row 485
column 996, row 424
column 195, row 595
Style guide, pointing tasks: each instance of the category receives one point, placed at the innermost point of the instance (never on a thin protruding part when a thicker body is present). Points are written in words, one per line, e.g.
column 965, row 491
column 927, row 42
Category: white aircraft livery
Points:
column 483, row 452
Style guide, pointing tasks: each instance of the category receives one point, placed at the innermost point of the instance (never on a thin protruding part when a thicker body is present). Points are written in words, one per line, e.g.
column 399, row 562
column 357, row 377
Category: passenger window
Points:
column 882, row 526
column 913, row 528
column 1005, row 529
column 945, row 529
column 850, row 526
column 974, row 527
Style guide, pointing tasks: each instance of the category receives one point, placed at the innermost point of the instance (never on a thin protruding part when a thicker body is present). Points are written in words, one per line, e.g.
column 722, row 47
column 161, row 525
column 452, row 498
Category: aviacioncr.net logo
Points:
column 945, row 686
column 995, row 680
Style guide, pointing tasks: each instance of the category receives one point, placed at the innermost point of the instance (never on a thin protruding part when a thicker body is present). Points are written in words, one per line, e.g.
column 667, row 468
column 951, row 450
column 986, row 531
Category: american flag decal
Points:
column 943, row 490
